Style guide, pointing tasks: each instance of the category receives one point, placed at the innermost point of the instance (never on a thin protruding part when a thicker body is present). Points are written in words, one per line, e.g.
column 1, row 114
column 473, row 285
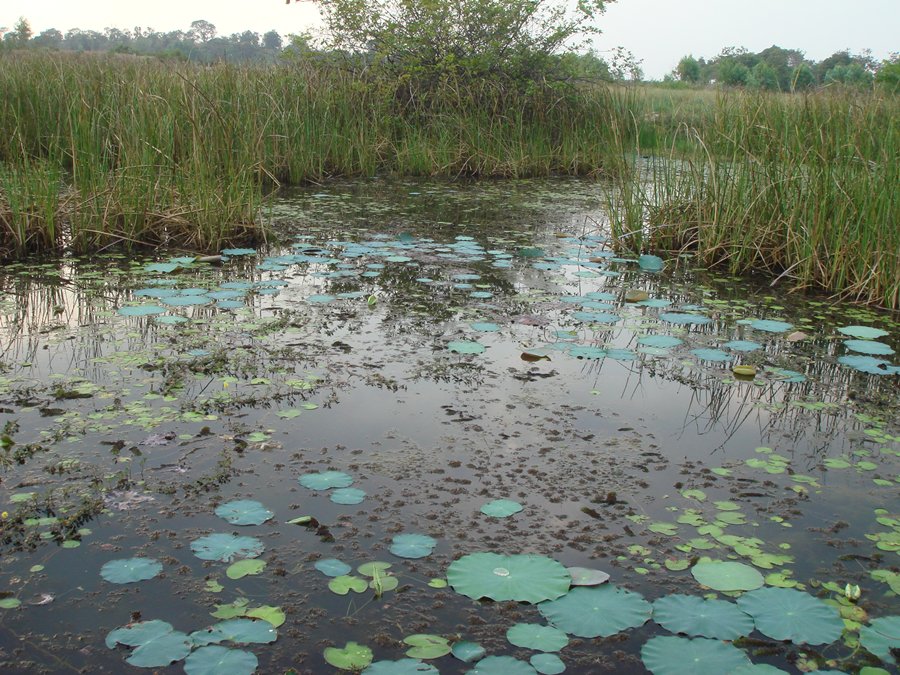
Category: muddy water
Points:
column 444, row 345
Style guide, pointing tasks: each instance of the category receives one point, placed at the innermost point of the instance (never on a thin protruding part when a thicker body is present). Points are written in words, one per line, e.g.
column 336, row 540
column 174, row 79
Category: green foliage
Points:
column 688, row 69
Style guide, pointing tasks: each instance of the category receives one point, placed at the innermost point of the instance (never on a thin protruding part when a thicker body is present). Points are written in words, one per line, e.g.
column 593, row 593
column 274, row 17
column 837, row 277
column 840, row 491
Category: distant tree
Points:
column 202, row 31
column 802, row 78
column 852, row 74
column 48, row 39
column 732, row 72
column 782, row 61
column 272, row 41
column 20, row 34
column 624, row 65
column 688, row 69
column 763, row 76
column 888, row 74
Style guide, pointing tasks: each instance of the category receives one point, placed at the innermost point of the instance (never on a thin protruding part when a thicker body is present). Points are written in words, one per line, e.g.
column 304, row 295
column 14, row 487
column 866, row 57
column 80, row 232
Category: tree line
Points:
column 779, row 69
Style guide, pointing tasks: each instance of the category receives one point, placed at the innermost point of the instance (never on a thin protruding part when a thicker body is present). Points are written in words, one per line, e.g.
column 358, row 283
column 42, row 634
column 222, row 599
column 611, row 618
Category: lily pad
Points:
column 244, row 512
column 226, row 547
column 881, row 636
column 130, row 570
column 10, row 603
column 536, row 636
column 353, row 656
column 401, row 667
column 869, row 347
column 696, row 616
column 412, row 545
column 651, row 263
column 863, row 332
column 467, row 652
column 465, row 347
column 788, row 614
column 584, row 576
column 141, row 310
column 427, row 646
column 347, row 496
column 598, row 611
column 273, row 615
column 547, row 664
column 216, row 660
column 714, row 355
column 771, row 326
column 523, row 578
column 669, row 655
column 157, row 643
column 661, row 341
column 240, row 631
column 332, row 567
column 727, row 576
column 243, row 568
column 742, row 346
column 325, row 480
column 501, row 508
column 346, row 583
column 502, row 665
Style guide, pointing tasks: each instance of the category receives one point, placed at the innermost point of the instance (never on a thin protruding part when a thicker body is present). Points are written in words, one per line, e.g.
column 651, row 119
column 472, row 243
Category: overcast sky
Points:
column 657, row 31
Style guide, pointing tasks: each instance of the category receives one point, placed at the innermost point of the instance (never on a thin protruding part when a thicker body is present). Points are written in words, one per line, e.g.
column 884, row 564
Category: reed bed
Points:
column 96, row 151
column 802, row 189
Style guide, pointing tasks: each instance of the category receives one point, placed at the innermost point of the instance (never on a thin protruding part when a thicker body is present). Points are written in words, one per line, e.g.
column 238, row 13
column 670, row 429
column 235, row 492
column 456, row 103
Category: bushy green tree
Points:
column 888, row 74
column 516, row 39
column 802, row 78
column 852, row 74
column 688, row 69
column 763, row 76
column 732, row 72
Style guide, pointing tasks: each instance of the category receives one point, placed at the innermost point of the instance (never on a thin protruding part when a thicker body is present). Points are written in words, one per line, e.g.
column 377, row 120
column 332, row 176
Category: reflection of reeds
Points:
column 802, row 188
column 104, row 150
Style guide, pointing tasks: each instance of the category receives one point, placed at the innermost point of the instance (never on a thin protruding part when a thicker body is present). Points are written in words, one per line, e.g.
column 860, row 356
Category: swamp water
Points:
column 428, row 373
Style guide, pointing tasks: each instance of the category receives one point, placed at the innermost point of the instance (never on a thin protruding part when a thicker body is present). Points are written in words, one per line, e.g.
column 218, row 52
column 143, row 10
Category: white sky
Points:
column 658, row 31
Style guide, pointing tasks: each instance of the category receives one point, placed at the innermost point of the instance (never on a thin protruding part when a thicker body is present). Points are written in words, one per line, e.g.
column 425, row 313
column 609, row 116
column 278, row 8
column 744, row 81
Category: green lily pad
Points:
column 465, row 347
column 244, row 512
column 141, row 310
column 353, row 656
column 332, row 567
column 346, row 583
column 412, row 545
column 869, row 347
column 216, row 660
column 370, row 569
column 863, row 332
column 226, row 547
column 597, row 611
column 401, row 667
column 130, row 570
column 501, row 508
column 427, row 646
column 268, row 613
column 347, row 496
column 669, row 655
column 467, row 652
column 881, row 636
column 524, row 578
column 240, row 631
column 727, row 576
column 536, row 636
column 243, row 568
column 584, row 576
column 698, row 617
column 547, row 664
column 502, row 665
column 770, row 326
column 10, row 603
column 788, row 614
column 157, row 643
column 325, row 480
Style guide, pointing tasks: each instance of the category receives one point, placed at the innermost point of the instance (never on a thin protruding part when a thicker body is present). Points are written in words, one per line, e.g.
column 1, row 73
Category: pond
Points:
column 463, row 384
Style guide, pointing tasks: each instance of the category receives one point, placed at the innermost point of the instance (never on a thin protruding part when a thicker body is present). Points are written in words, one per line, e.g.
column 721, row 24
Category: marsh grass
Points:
column 149, row 153
column 800, row 188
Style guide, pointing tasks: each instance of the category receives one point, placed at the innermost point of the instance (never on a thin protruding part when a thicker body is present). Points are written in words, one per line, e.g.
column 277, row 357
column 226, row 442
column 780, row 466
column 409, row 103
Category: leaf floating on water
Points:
column 10, row 603
column 597, row 611
column 502, row 665
column 684, row 319
column 863, row 332
column 332, row 567
column 467, row 652
column 771, row 326
column 141, row 310
column 501, row 508
column 523, row 578
column 536, row 636
column 243, row 568
column 427, row 646
column 401, row 667
column 325, row 480
column 651, row 263
column 465, row 347
column 347, row 496
column 244, row 512
column 584, row 576
column 882, row 636
column 632, row 295
column 870, row 347
column 269, row 614
column 787, row 614
column 130, row 570
column 699, row 617
column 353, row 656
column 547, row 664
column 241, row 631
column 157, row 643
column 226, row 547
column 412, row 545
column 745, row 371
column 727, row 576
column 670, row 655
column 216, row 660
column 345, row 583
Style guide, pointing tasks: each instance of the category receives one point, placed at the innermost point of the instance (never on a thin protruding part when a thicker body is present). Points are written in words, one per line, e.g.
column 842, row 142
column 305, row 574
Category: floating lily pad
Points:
column 216, row 660
column 714, row 355
column 669, row 655
column 651, row 263
column 240, row 631
column 869, row 347
column 596, row 317
column 771, row 326
column 598, row 611
column 727, row 576
column 661, row 341
column 536, row 636
column 10, row 603
column 157, row 643
column 244, row 512
column 332, row 567
column 869, row 364
column 226, row 547
column 401, row 667
column 427, row 646
column 467, row 652
column 141, row 310
column 130, row 570
column 788, row 614
column 273, row 615
column 347, row 496
column 501, row 508
column 584, row 576
column 325, row 480
column 243, row 568
column 485, row 327
column 881, row 636
column 353, row 656
column 742, row 346
column 547, row 664
column 863, row 332
column 524, row 578
column 345, row 583
column 696, row 616
column 502, row 665
column 412, row 545
column 465, row 347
